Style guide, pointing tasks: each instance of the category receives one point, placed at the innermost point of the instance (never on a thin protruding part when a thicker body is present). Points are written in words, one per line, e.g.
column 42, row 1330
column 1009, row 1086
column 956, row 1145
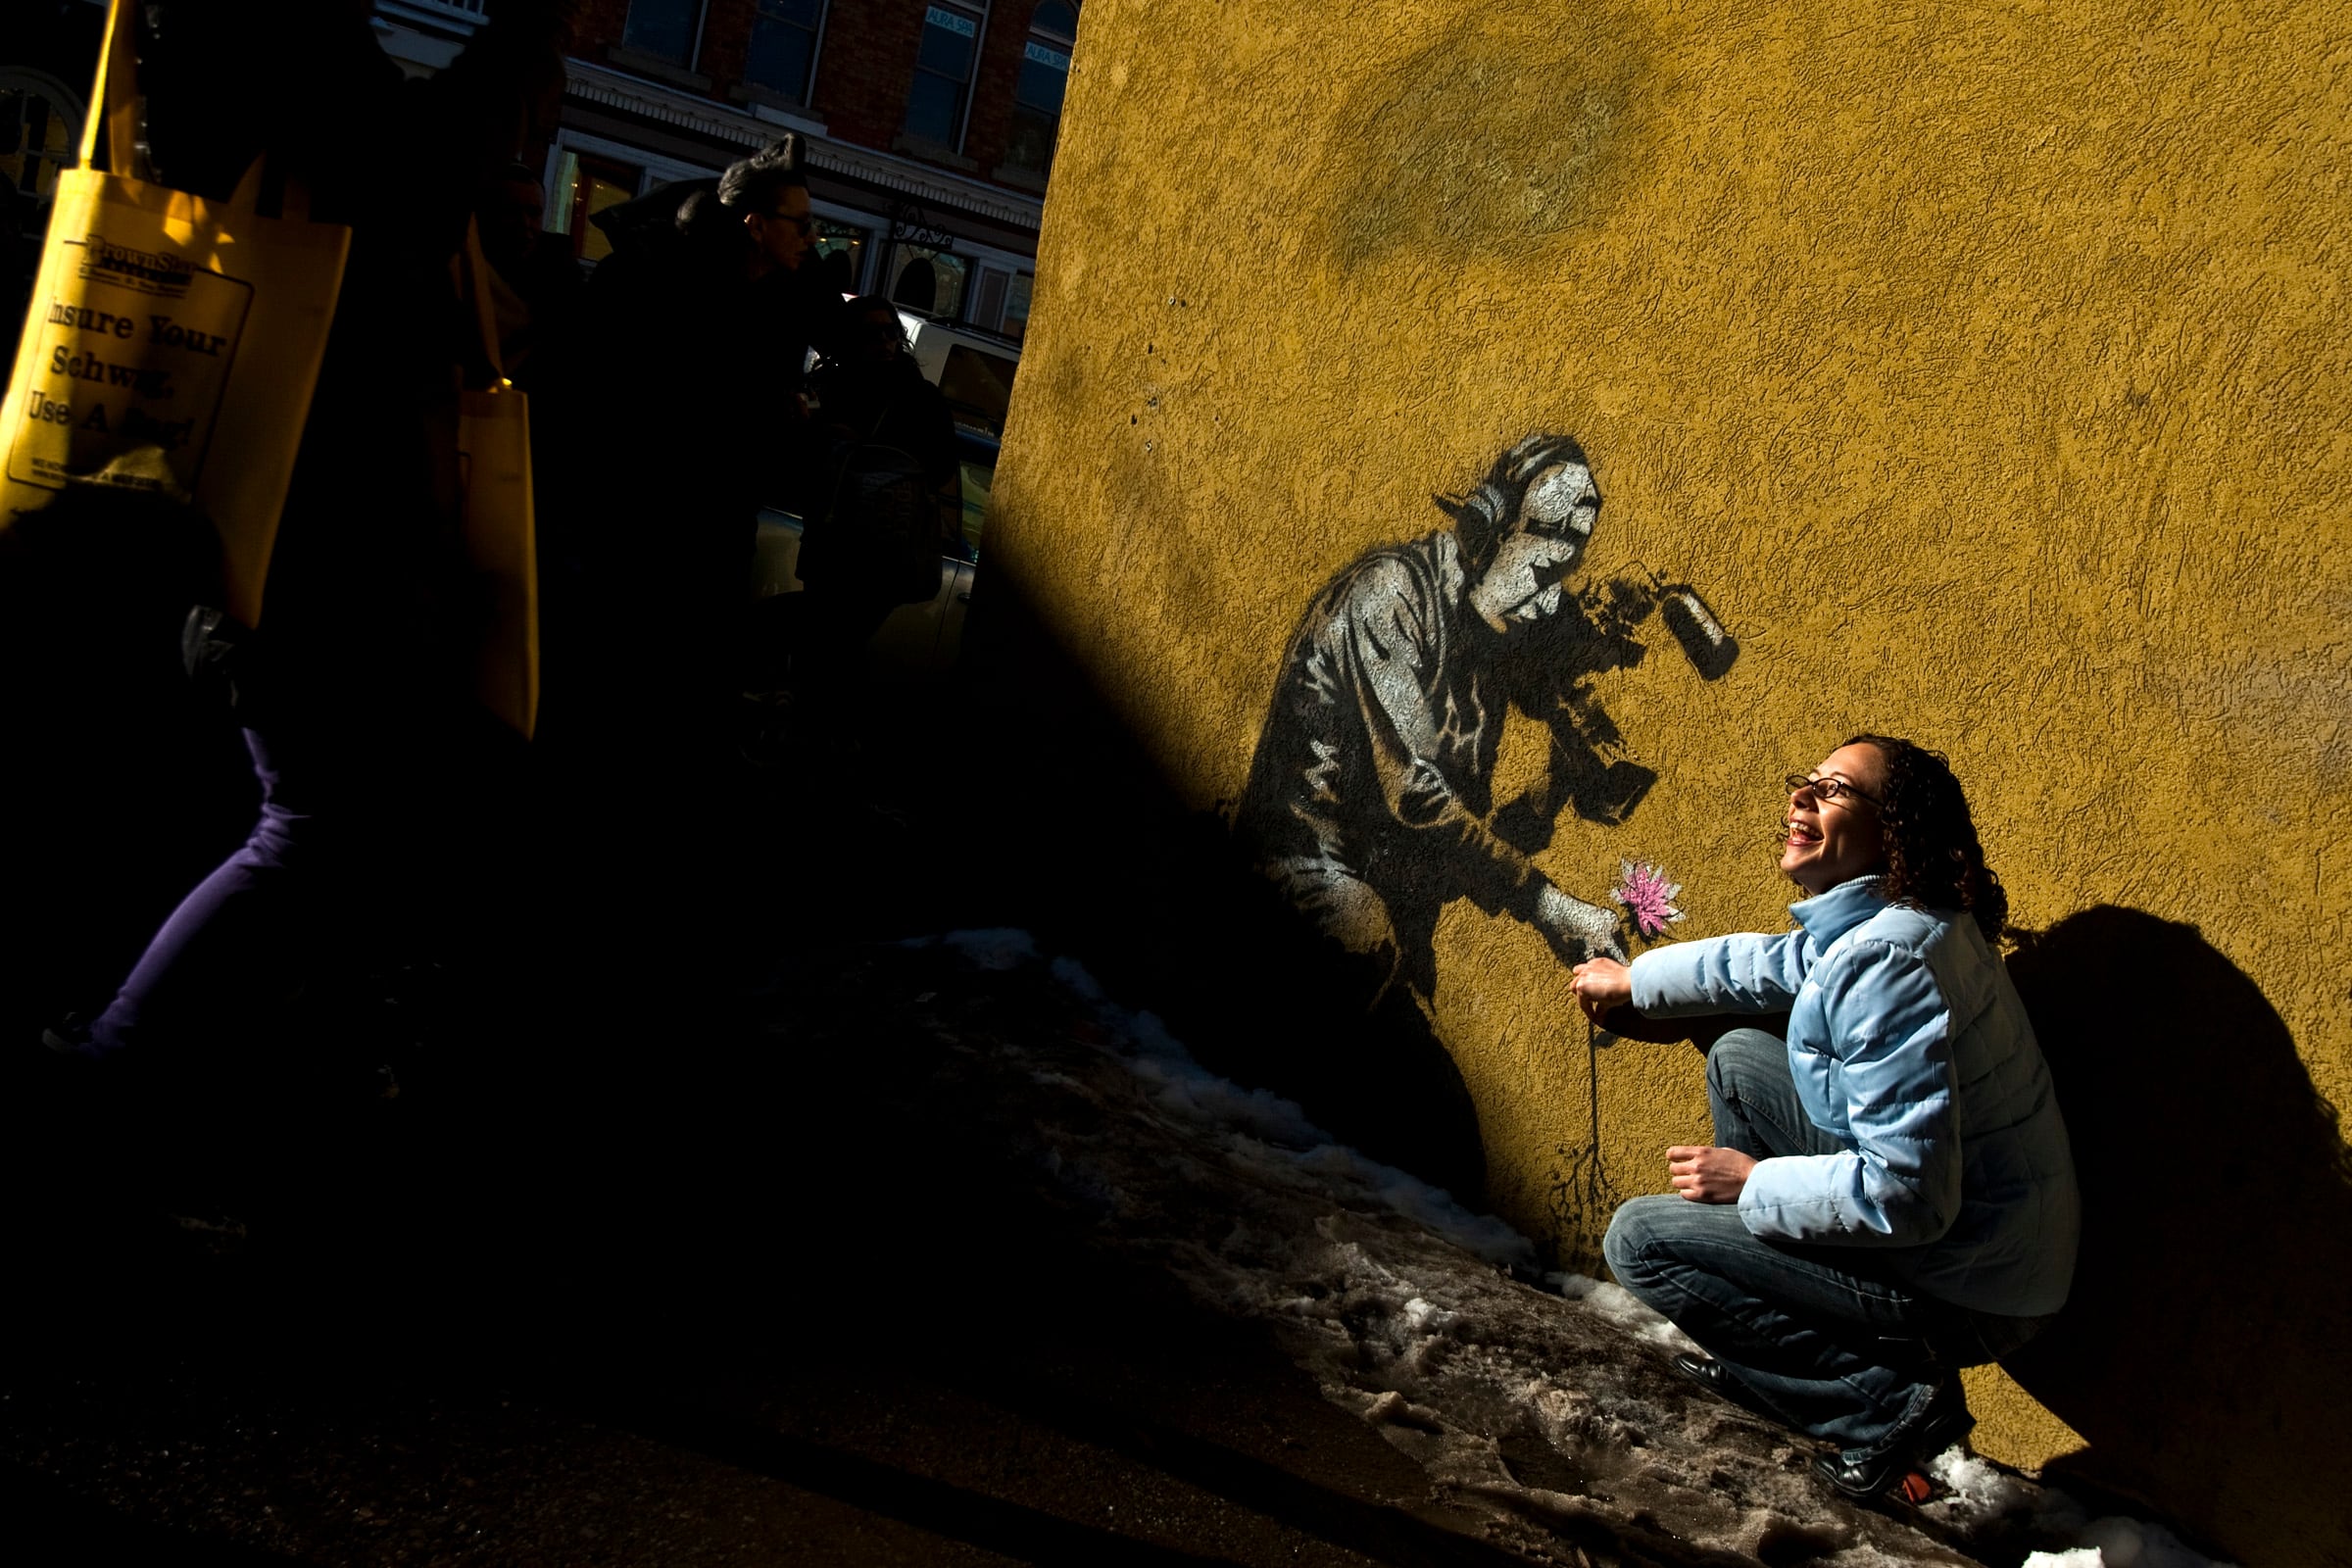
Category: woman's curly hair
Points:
column 1932, row 858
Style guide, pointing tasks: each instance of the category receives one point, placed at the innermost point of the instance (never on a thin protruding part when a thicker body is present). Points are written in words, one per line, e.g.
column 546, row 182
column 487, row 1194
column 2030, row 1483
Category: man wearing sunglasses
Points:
column 774, row 205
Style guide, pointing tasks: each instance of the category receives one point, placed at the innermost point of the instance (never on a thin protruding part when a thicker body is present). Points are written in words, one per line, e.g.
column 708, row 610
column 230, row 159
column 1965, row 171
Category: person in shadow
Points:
column 1891, row 1196
column 874, row 508
column 536, row 283
column 657, row 415
column 356, row 700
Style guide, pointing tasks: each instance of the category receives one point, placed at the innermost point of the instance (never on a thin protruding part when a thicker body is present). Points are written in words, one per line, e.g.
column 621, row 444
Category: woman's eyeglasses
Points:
column 1828, row 791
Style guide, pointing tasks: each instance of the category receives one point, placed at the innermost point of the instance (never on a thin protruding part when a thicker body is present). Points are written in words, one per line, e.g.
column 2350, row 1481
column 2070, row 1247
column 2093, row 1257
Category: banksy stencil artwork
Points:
column 1370, row 802
column 1370, row 797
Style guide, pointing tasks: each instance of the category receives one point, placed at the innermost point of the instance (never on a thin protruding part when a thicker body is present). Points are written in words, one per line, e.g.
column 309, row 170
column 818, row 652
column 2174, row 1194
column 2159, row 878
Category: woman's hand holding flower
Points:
column 1600, row 984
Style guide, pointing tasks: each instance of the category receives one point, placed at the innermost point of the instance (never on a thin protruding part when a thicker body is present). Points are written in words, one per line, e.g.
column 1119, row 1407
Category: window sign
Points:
column 943, row 75
column 1037, row 93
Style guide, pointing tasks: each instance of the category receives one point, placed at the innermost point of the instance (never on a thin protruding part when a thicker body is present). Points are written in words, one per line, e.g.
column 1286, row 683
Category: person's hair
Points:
column 701, row 218
column 1932, row 858
column 753, row 184
column 1482, row 517
column 853, row 327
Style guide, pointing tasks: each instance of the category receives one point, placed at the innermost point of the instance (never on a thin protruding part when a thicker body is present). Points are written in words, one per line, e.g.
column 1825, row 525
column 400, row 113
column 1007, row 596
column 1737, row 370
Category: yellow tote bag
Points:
column 172, row 344
column 494, row 456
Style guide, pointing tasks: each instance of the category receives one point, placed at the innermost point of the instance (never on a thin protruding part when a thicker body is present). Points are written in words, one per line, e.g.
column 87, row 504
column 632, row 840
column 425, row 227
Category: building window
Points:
column 668, row 30
column 840, row 254
column 784, row 46
column 928, row 280
column 40, row 127
column 942, row 74
column 1016, row 306
column 587, row 186
column 1037, row 94
column 987, row 297
column 40, row 133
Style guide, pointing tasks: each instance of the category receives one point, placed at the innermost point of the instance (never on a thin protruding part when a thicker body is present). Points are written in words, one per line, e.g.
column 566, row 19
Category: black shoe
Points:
column 1869, row 1474
column 66, row 1065
column 1718, row 1380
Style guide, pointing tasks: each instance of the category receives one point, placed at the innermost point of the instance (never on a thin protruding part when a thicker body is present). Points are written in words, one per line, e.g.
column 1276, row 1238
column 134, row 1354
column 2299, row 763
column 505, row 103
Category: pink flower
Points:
column 1647, row 897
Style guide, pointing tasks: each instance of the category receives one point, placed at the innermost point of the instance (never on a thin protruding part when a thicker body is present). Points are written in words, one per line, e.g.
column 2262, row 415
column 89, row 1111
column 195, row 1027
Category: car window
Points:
column 978, row 381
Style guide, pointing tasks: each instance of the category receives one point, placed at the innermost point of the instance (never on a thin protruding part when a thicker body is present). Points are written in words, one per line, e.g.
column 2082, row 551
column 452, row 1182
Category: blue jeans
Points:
column 364, row 832
column 1820, row 1336
column 199, row 969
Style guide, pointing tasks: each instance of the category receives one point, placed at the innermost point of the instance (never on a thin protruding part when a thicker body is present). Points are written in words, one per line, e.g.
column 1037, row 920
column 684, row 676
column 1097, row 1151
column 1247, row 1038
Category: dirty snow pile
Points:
column 1551, row 1410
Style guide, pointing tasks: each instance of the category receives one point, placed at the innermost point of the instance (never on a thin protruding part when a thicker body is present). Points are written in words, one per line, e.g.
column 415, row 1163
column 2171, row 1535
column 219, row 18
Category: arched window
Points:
column 40, row 133
column 917, row 285
column 1037, row 95
column 929, row 280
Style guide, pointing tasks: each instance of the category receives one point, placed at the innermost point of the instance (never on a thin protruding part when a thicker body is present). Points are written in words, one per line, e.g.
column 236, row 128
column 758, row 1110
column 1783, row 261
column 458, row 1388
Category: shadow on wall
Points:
column 1298, row 953
column 1090, row 847
column 2202, row 1355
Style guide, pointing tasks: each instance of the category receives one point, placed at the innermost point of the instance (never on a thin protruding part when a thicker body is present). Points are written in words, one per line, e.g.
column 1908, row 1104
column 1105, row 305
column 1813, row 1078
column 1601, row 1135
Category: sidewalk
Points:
column 780, row 1347
column 1083, row 1307
column 703, row 1238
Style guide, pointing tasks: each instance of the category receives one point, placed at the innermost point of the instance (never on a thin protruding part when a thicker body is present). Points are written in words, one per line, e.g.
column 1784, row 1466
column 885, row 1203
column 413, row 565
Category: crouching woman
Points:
column 1889, row 1197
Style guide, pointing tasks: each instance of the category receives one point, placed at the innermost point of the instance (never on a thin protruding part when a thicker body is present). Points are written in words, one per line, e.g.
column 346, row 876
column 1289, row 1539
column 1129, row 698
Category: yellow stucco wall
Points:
column 1985, row 368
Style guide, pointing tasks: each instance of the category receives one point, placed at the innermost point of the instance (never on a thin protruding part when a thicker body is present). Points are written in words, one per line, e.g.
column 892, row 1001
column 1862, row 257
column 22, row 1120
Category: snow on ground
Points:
column 1552, row 1410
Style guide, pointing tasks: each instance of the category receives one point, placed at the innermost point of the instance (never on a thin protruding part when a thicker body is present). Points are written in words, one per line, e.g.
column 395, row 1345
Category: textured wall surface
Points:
column 1986, row 369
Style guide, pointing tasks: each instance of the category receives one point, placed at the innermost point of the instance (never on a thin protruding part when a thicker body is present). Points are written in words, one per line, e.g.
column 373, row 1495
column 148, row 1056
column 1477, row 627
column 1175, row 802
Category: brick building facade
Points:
column 929, row 124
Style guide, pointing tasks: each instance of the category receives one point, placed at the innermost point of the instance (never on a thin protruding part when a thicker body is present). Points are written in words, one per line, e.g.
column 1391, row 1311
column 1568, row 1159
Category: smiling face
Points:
column 1522, row 583
column 1835, row 840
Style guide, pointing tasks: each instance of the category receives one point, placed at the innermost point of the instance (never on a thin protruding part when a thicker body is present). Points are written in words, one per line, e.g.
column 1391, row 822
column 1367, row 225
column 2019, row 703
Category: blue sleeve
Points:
column 1899, row 1186
column 1719, row 974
